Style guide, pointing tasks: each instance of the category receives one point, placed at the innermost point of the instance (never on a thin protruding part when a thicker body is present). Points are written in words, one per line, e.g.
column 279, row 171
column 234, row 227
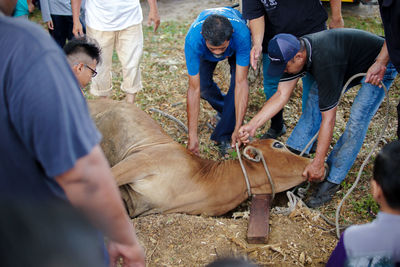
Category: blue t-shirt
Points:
column 45, row 126
column 195, row 45
column 21, row 8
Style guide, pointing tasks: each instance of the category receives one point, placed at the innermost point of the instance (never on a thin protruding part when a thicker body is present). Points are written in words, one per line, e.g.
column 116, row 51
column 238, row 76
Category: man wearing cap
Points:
column 331, row 57
column 268, row 18
column 216, row 34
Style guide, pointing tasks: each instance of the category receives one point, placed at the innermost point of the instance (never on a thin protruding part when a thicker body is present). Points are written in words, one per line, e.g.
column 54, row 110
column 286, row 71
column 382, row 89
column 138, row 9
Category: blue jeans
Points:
column 271, row 83
column 345, row 151
column 223, row 104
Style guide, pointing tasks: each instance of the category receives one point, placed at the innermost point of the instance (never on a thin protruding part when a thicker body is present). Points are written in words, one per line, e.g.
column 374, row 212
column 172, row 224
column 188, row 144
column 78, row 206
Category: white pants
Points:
column 129, row 46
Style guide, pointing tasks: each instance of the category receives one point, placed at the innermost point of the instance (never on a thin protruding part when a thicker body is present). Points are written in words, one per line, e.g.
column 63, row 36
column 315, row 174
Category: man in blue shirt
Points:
column 217, row 34
column 50, row 146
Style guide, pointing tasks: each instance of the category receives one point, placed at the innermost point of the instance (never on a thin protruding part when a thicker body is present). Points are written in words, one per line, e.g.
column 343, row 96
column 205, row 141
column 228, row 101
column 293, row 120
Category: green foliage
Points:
column 366, row 206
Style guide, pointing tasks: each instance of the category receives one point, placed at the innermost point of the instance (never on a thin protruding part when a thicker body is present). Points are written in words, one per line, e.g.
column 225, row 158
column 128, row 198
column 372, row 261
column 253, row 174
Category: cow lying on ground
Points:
column 158, row 175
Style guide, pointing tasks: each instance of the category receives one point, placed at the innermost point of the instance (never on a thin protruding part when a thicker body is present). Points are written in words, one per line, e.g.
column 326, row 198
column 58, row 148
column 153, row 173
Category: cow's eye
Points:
column 277, row 145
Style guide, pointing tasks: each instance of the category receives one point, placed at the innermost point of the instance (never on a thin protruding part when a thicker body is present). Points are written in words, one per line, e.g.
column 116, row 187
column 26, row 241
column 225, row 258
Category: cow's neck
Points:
column 227, row 177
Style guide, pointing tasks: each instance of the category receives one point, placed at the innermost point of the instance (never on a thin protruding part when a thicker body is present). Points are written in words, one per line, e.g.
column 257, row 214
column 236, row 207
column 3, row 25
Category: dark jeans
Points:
column 223, row 104
column 62, row 29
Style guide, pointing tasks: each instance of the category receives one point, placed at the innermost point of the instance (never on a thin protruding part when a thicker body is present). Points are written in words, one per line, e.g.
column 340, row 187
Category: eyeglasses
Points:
column 94, row 73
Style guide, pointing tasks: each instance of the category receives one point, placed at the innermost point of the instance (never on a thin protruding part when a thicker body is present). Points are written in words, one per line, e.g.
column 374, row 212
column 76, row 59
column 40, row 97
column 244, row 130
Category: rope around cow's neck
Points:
column 259, row 156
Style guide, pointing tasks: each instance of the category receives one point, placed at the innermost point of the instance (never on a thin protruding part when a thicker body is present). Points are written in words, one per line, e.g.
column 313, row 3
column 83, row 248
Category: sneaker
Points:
column 325, row 192
column 274, row 134
column 224, row 148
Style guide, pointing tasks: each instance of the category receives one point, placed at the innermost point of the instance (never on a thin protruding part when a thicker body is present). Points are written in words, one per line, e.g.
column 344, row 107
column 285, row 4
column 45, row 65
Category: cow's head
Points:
column 286, row 168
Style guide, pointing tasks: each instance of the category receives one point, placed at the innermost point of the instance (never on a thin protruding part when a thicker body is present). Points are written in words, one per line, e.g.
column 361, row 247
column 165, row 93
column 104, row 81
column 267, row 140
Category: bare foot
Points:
column 130, row 98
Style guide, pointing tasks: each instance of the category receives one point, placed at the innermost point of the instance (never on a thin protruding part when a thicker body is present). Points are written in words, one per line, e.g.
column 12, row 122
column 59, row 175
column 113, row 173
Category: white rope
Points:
column 367, row 158
column 181, row 124
column 258, row 156
column 246, row 178
column 292, row 203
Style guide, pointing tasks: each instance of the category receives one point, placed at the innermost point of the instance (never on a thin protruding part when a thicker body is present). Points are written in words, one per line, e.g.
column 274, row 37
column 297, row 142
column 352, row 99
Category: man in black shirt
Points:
column 331, row 57
column 268, row 18
column 390, row 13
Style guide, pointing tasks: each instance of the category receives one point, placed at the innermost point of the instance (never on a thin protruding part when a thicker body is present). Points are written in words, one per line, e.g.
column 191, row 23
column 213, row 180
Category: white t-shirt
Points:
column 113, row 15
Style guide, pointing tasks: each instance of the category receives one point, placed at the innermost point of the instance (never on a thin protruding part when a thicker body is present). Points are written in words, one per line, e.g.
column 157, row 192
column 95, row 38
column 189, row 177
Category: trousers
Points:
column 224, row 104
column 129, row 46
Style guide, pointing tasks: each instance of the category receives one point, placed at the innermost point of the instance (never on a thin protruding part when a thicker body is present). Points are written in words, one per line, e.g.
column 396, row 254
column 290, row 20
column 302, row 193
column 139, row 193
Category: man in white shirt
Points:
column 116, row 24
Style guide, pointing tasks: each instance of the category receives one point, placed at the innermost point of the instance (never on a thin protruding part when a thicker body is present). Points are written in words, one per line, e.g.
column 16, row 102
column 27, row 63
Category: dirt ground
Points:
column 300, row 239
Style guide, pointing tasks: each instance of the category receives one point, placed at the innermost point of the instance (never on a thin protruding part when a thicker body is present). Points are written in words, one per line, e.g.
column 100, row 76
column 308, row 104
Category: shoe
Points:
column 224, row 147
column 324, row 194
column 274, row 134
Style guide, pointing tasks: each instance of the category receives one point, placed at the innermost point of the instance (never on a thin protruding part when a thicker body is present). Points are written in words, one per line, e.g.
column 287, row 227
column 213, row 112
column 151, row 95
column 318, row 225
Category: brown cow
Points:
column 158, row 175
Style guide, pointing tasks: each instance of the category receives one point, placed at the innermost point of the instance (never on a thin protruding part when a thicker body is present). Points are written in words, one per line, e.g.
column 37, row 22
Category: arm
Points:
column 193, row 108
column 31, row 6
column 257, row 27
column 241, row 99
column 153, row 14
column 336, row 14
column 77, row 29
column 377, row 70
column 45, row 10
column 270, row 109
column 316, row 169
column 90, row 186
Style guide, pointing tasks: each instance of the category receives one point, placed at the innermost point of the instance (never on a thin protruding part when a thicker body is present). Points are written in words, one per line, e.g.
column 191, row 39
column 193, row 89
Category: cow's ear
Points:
column 251, row 153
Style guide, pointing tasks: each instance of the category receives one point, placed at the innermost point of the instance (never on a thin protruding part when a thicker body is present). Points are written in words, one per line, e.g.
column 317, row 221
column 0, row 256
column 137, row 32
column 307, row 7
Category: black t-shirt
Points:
column 45, row 125
column 390, row 13
column 336, row 55
column 297, row 17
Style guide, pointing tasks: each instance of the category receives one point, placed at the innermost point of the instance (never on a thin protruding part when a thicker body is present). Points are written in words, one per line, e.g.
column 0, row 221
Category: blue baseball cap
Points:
column 281, row 49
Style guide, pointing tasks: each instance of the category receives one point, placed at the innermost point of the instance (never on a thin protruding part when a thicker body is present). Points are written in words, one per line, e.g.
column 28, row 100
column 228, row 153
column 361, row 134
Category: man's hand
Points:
column 375, row 73
column 235, row 139
column 153, row 14
column 77, row 29
column 245, row 132
column 314, row 171
column 255, row 55
column 31, row 6
column 336, row 22
column 132, row 255
column 50, row 25
column 193, row 145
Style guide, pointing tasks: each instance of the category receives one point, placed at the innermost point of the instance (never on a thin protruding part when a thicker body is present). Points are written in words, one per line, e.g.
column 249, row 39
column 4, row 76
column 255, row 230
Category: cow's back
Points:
column 125, row 128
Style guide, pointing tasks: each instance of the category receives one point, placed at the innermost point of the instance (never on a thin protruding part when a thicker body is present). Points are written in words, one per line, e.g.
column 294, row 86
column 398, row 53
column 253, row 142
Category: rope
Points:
column 367, row 158
column 181, row 124
column 259, row 156
column 246, row 178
